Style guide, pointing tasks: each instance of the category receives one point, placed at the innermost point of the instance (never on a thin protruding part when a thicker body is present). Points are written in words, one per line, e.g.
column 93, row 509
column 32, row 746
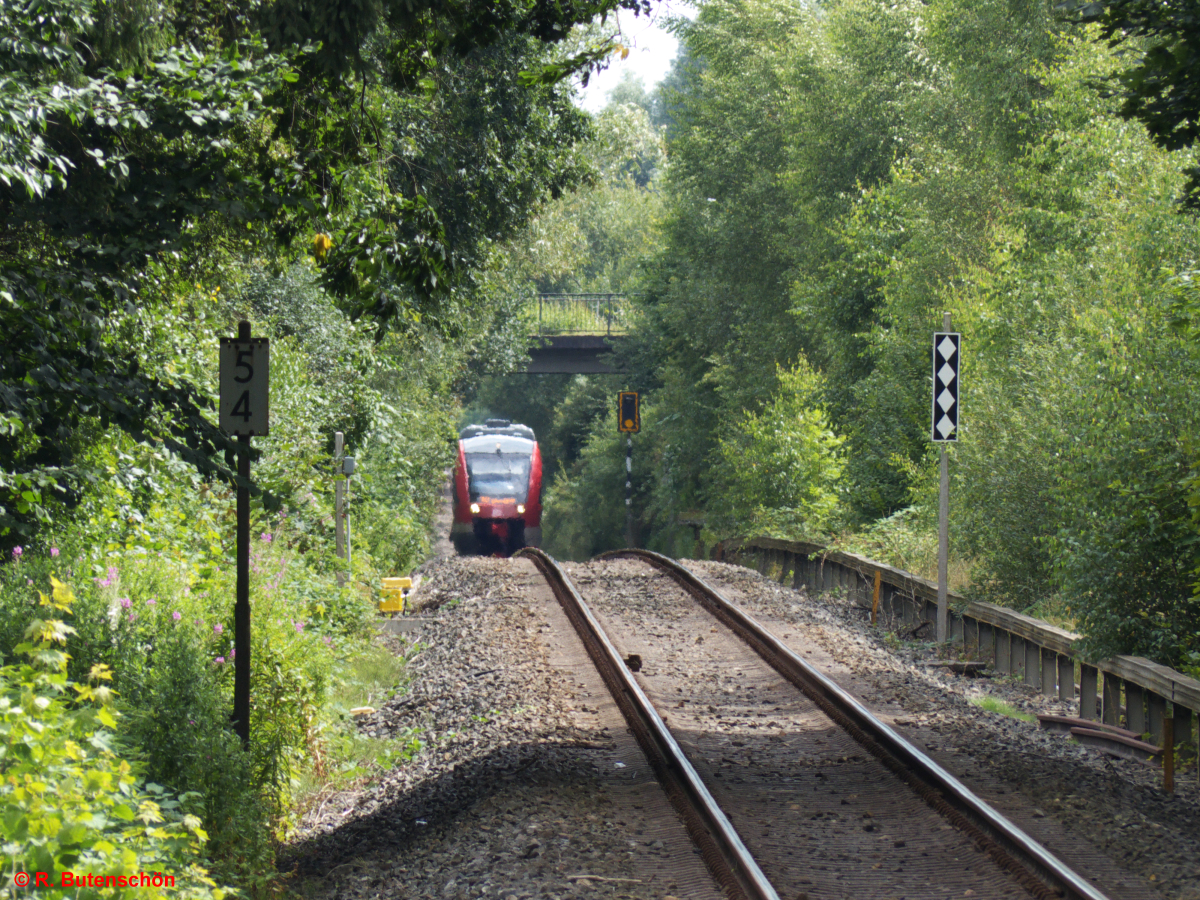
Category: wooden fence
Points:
column 1124, row 690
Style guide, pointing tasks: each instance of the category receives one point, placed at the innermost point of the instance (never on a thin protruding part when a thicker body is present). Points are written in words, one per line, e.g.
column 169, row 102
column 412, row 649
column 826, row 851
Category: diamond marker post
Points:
column 947, row 347
column 945, row 386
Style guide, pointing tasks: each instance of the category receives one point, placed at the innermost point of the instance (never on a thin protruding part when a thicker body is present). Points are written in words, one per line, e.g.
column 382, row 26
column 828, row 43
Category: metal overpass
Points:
column 575, row 331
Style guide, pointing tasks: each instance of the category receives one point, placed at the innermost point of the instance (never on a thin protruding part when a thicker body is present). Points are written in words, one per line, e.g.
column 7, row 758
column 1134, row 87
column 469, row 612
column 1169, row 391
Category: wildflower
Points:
column 177, row 615
column 220, row 660
column 132, row 617
column 126, row 602
column 112, row 573
column 17, row 551
column 29, row 581
column 218, row 628
column 266, row 538
column 151, row 602
column 233, row 653
column 328, row 641
column 299, row 627
column 53, row 551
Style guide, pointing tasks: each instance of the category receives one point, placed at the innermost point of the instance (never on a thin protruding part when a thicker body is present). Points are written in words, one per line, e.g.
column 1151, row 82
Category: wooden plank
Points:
column 1018, row 657
column 1049, row 684
column 1135, row 708
column 1066, row 678
column 1057, row 639
column 1162, row 680
column 987, row 641
column 1185, row 726
column 1156, row 711
column 1088, row 707
column 1112, row 700
column 1003, row 651
column 1033, row 664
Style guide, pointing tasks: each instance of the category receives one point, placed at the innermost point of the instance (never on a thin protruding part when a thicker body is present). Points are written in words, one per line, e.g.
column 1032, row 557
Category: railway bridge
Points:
column 575, row 332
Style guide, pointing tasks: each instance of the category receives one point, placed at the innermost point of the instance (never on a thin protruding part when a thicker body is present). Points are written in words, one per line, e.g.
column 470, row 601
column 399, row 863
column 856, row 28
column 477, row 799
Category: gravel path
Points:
column 528, row 786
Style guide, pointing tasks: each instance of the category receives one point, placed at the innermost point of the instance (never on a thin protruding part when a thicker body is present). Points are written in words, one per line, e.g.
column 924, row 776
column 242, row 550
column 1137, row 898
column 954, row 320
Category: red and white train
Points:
column 497, row 490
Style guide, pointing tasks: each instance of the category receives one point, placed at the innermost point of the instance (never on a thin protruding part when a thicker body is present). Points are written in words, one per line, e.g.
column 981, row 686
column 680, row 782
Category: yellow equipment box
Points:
column 395, row 595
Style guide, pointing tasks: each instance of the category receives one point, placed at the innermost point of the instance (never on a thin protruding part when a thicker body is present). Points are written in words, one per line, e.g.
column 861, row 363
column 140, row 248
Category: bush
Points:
column 779, row 470
column 70, row 803
column 1125, row 549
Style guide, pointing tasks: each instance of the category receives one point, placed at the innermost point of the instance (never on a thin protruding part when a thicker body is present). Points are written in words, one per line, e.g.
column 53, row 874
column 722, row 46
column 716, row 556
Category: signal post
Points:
column 947, row 355
column 629, row 422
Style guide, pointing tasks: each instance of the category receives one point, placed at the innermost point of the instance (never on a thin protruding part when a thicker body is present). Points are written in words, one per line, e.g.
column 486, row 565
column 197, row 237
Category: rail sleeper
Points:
column 1041, row 654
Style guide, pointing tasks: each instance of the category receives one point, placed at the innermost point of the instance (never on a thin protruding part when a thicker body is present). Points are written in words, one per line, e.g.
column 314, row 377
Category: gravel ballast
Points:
column 527, row 784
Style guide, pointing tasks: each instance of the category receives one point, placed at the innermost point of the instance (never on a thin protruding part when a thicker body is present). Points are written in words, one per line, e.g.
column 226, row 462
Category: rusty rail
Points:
column 1039, row 871
column 709, row 827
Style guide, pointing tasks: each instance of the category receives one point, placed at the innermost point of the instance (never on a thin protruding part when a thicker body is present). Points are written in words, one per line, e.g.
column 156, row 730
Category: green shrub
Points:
column 177, row 723
column 779, row 470
column 70, row 803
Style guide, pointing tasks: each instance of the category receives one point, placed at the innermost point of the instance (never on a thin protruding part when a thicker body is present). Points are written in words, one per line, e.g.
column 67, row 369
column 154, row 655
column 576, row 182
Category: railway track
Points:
column 824, row 798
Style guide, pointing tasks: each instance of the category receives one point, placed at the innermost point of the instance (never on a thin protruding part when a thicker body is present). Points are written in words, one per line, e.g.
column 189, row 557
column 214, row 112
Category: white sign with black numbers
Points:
column 947, row 350
column 245, row 386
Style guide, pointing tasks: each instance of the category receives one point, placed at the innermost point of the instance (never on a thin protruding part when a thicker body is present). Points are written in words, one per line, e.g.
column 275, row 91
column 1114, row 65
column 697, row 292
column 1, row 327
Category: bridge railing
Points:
column 1121, row 690
column 580, row 313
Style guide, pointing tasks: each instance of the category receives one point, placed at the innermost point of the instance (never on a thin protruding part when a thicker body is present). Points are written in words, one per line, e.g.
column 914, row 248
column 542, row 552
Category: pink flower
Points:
column 103, row 583
column 126, row 602
column 299, row 627
column 218, row 628
column 17, row 551
column 53, row 551
column 233, row 653
column 220, row 660
column 266, row 538
column 151, row 602
column 112, row 573
column 29, row 581
column 132, row 616
column 177, row 615
column 328, row 641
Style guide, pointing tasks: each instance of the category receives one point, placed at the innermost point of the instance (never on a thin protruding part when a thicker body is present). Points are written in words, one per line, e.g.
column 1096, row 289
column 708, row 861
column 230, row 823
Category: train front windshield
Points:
column 499, row 475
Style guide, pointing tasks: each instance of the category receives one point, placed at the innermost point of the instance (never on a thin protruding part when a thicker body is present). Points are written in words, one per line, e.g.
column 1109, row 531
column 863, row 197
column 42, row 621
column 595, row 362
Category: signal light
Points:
column 628, row 416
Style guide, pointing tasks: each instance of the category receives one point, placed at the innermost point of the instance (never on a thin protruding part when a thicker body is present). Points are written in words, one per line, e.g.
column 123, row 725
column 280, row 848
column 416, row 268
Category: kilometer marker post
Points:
column 243, row 412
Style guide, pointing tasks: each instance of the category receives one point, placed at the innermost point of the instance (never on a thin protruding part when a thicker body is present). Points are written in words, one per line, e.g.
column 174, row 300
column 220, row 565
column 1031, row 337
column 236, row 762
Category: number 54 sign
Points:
column 245, row 386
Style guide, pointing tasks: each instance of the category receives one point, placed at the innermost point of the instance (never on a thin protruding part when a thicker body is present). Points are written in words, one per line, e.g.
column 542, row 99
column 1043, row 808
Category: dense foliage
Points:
column 839, row 176
column 342, row 177
column 145, row 147
column 72, row 807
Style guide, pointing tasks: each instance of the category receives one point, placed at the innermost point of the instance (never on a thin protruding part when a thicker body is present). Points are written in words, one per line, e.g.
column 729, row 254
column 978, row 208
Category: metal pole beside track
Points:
column 943, row 601
column 629, row 490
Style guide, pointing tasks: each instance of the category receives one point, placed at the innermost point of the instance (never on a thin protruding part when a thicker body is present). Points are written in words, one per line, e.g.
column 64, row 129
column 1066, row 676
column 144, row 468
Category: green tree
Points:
column 142, row 147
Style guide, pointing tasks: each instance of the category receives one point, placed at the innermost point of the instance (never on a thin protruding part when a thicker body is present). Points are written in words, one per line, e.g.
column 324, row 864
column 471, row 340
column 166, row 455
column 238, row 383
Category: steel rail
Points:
column 1003, row 840
column 709, row 827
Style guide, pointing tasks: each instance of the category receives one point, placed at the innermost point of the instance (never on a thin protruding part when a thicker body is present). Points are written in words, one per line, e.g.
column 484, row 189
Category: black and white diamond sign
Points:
column 946, row 354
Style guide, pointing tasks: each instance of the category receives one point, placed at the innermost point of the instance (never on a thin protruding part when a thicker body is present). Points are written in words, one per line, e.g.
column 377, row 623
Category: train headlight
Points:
column 520, row 509
column 475, row 508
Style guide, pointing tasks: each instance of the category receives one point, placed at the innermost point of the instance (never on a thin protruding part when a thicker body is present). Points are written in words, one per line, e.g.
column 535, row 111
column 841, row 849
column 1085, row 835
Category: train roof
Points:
column 497, row 427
